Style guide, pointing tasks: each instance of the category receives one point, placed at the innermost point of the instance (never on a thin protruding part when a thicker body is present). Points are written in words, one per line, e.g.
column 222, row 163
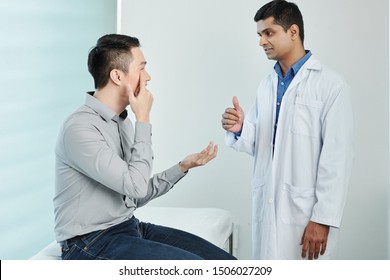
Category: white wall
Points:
column 201, row 53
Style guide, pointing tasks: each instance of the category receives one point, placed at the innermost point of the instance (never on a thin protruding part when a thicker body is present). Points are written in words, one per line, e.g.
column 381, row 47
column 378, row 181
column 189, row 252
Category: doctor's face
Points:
column 276, row 42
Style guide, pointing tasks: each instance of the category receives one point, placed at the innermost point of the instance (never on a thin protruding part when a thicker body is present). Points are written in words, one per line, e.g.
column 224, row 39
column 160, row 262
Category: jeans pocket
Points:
column 76, row 252
column 93, row 237
column 68, row 253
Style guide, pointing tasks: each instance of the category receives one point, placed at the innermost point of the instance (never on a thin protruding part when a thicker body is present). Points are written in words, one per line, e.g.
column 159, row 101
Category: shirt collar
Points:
column 295, row 68
column 104, row 111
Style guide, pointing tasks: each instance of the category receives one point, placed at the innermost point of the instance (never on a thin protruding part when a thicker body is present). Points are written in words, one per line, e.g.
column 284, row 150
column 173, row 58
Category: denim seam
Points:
column 90, row 254
column 87, row 245
column 69, row 252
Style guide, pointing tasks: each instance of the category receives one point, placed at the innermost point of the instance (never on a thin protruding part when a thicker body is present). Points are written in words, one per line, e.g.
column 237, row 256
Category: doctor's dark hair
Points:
column 284, row 13
column 112, row 51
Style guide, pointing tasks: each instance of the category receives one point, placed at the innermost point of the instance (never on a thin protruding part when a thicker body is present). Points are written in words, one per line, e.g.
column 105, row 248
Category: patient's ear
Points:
column 116, row 76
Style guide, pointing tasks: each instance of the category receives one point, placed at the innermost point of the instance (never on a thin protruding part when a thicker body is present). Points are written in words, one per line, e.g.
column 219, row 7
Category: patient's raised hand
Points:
column 199, row 159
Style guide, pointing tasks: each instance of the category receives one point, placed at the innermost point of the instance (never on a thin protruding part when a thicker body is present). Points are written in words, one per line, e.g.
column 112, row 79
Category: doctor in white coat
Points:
column 300, row 133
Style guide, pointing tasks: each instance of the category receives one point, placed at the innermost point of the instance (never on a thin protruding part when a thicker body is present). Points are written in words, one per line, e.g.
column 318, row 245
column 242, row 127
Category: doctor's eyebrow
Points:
column 267, row 30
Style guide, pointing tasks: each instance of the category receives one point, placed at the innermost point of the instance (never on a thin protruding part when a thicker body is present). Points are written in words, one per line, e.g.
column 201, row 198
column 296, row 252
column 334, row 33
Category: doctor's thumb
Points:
column 235, row 103
column 238, row 108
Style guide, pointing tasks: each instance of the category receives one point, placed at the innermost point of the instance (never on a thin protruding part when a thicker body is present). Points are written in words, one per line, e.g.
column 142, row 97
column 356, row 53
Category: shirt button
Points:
column 282, row 83
column 270, row 201
column 278, row 103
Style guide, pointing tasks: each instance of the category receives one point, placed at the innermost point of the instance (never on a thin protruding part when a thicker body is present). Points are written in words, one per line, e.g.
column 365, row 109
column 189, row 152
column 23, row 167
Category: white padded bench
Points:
column 212, row 224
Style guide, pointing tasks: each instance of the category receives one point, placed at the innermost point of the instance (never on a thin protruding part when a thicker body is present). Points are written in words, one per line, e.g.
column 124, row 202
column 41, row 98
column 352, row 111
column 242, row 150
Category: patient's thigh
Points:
column 183, row 240
column 136, row 248
column 125, row 247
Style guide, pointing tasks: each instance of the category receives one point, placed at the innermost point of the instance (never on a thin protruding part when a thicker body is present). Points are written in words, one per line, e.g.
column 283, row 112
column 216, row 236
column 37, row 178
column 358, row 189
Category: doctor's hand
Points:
column 233, row 118
column 314, row 240
column 141, row 101
column 199, row 159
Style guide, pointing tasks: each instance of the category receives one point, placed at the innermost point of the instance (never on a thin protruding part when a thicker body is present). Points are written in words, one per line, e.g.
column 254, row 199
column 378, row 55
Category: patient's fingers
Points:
column 207, row 154
column 201, row 158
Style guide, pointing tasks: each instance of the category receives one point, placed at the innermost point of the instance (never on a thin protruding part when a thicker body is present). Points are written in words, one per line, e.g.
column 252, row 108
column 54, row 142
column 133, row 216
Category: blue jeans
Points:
column 135, row 240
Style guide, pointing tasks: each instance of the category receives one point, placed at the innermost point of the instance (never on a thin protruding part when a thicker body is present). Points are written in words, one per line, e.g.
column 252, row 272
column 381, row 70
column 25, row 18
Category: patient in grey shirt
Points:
column 104, row 164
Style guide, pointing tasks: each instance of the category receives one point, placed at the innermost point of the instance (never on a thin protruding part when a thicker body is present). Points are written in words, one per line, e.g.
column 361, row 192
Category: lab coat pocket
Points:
column 258, row 200
column 296, row 204
column 307, row 117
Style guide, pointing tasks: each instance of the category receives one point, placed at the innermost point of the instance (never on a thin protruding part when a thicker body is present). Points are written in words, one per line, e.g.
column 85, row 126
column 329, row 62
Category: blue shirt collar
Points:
column 295, row 68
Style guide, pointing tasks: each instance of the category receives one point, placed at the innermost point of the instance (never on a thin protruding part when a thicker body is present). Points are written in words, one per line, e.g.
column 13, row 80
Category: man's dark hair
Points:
column 284, row 13
column 112, row 51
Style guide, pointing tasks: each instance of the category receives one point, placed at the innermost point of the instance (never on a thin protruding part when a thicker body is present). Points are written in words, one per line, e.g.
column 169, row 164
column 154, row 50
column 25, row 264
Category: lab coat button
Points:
column 270, row 201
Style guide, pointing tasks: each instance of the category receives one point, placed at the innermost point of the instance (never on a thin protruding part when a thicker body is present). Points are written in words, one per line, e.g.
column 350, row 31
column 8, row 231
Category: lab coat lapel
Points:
column 311, row 64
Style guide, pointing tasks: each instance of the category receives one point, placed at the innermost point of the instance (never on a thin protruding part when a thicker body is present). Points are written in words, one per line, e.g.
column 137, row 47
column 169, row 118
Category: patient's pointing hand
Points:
column 199, row 159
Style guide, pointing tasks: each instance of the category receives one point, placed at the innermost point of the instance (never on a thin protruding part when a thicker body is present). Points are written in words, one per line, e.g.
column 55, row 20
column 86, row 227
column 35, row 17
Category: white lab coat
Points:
column 307, row 177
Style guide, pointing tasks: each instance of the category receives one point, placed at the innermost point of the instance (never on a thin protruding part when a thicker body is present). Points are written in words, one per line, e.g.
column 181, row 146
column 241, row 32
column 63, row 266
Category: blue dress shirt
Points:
column 284, row 82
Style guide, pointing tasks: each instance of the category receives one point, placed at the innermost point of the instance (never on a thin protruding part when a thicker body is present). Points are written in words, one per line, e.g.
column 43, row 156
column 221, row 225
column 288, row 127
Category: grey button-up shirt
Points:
column 103, row 170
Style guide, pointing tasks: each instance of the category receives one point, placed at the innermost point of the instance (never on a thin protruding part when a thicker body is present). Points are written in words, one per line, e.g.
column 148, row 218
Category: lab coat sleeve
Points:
column 335, row 162
column 246, row 141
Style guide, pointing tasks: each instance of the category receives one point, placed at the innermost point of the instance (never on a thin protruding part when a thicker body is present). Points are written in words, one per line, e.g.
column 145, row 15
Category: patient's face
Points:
column 137, row 66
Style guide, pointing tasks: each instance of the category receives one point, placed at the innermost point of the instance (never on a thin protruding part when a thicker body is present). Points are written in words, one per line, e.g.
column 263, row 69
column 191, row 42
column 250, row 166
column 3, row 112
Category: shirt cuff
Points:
column 174, row 174
column 237, row 134
column 143, row 132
